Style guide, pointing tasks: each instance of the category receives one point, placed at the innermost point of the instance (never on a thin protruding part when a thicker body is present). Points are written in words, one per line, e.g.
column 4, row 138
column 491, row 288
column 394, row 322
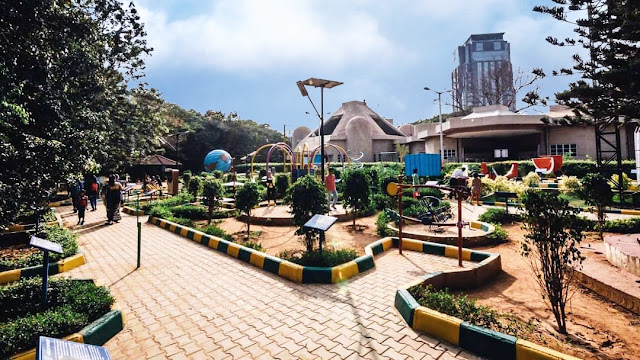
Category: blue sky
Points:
column 246, row 55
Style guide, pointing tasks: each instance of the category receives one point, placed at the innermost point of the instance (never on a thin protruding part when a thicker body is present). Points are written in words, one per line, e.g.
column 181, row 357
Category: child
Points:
column 415, row 180
column 82, row 205
column 476, row 188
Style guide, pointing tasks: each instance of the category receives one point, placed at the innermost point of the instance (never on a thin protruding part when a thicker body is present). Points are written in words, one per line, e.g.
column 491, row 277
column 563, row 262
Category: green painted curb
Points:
column 406, row 305
column 103, row 329
column 272, row 264
column 485, row 342
column 479, row 256
column 364, row 263
column 314, row 274
column 433, row 249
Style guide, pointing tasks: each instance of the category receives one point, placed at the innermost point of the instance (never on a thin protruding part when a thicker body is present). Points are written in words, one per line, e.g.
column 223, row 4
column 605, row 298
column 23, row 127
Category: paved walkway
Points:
column 188, row 301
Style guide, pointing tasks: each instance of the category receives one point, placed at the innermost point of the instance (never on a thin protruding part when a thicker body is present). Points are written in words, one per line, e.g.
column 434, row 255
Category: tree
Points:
column 64, row 69
column 195, row 184
column 282, row 184
column 552, row 245
column 308, row 197
column 402, row 151
column 247, row 198
column 357, row 191
column 501, row 87
column 608, row 92
column 212, row 191
column 596, row 191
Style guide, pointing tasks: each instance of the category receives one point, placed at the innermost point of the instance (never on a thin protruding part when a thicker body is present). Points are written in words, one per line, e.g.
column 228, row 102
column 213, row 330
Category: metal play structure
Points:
column 458, row 191
column 286, row 149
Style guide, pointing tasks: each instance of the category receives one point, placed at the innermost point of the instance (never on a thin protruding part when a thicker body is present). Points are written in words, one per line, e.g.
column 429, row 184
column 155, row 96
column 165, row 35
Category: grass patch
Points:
column 328, row 258
column 64, row 237
column 466, row 309
column 73, row 304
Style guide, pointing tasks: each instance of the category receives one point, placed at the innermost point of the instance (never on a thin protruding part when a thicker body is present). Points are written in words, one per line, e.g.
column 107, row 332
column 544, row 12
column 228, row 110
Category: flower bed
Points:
column 73, row 306
column 12, row 260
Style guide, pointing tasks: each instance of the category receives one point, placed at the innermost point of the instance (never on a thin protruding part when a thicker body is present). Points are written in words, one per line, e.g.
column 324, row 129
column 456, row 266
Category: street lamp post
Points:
column 440, row 121
column 322, row 84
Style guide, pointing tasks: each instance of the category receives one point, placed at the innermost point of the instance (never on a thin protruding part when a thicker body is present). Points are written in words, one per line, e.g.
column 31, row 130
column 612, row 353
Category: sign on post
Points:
column 321, row 223
column 45, row 246
column 57, row 349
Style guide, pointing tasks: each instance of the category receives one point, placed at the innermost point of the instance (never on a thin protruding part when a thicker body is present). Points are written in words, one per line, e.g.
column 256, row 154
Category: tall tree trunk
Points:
column 248, row 222
column 210, row 212
column 355, row 213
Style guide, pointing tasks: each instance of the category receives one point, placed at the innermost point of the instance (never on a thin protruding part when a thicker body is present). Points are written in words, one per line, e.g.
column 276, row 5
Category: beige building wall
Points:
column 585, row 139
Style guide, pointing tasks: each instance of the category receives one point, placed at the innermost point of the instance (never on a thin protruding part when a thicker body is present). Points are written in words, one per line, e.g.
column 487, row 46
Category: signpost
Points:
column 139, row 229
column 57, row 349
column 321, row 223
column 46, row 246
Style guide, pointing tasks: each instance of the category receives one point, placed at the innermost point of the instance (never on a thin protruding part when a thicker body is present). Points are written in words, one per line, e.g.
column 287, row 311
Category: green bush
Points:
column 499, row 235
column 253, row 245
column 182, row 221
column 498, row 216
column 193, row 212
column 182, row 198
column 216, row 231
column 64, row 237
column 623, row 226
column 532, row 179
column 381, row 225
column 328, row 258
column 73, row 304
column 195, row 186
column 282, row 184
column 462, row 307
column 160, row 211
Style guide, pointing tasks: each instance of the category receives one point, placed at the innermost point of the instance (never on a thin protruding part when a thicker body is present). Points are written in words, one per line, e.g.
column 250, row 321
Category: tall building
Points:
column 484, row 75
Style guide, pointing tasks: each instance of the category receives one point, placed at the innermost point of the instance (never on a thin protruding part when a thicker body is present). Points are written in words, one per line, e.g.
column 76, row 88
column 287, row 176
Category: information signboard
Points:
column 45, row 245
column 57, row 349
column 321, row 222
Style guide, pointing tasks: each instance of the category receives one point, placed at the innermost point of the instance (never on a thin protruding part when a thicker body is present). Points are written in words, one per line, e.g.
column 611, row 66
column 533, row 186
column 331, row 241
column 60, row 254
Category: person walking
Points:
column 332, row 193
column 91, row 187
column 74, row 191
column 112, row 199
column 271, row 189
column 476, row 188
column 81, row 206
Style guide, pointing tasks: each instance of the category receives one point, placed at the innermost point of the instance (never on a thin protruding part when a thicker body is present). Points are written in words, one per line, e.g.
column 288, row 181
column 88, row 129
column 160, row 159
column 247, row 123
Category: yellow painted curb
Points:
column 344, row 271
column 526, row 350
column 290, row 271
column 233, row 250
column 387, row 244
column 412, row 245
column 9, row 276
column 257, row 259
column 437, row 324
column 71, row 262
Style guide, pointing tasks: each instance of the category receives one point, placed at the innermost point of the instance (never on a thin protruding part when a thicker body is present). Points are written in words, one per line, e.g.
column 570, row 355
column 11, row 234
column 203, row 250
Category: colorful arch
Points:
column 336, row 147
column 282, row 146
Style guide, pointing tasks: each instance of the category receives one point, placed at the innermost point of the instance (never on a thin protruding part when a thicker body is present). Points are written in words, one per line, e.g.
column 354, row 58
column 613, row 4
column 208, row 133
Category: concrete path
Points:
column 188, row 301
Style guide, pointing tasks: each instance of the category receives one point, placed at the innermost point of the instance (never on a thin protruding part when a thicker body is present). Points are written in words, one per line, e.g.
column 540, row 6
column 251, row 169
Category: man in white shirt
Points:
column 459, row 173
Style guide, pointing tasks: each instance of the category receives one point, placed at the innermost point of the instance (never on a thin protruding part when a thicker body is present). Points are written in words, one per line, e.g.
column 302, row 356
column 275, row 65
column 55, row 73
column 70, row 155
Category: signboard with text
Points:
column 57, row 349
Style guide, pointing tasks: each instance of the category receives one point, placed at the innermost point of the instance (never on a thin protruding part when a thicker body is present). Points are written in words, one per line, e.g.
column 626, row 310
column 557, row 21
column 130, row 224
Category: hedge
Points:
column 55, row 234
column 73, row 304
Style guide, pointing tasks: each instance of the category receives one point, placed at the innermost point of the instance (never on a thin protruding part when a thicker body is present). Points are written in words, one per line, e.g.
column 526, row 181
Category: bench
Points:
column 505, row 195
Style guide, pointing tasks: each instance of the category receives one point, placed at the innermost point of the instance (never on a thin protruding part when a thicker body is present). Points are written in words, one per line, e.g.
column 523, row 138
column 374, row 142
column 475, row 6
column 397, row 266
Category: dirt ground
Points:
column 598, row 328
column 16, row 252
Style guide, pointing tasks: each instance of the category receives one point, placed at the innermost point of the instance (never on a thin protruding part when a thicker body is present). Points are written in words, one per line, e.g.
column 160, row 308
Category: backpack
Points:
column 94, row 187
column 82, row 202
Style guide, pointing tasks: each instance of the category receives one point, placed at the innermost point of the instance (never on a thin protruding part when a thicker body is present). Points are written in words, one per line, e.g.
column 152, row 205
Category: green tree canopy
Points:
column 357, row 191
column 247, row 198
column 65, row 69
column 307, row 197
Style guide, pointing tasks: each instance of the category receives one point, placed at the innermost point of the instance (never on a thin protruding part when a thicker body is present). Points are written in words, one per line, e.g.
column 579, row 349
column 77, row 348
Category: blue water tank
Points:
column 427, row 164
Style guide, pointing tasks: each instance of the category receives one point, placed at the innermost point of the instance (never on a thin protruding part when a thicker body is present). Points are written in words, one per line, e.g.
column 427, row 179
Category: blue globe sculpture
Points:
column 217, row 160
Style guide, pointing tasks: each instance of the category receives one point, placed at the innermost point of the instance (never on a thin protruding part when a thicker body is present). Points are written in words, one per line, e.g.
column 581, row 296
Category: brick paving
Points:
column 190, row 302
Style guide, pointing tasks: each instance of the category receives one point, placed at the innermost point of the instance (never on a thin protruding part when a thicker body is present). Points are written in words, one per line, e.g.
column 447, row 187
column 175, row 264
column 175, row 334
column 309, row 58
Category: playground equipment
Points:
column 458, row 191
column 357, row 160
column 548, row 164
column 286, row 149
column 343, row 152
column 491, row 172
column 217, row 160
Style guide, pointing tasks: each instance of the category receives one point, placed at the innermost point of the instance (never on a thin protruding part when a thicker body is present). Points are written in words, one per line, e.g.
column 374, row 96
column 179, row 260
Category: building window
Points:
column 500, row 153
column 564, row 149
column 450, row 154
column 479, row 46
column 496, row 45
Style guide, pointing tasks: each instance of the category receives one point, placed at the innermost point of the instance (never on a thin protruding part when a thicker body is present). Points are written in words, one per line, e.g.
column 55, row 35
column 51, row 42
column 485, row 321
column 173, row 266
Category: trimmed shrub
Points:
column 64, row 237
column 499, row 235
column 193, row 212
column 160, row 211
column 328, row 258
column 381, row 225
column 282, row 184
column 216, row 231
column 253, row 245
column 571, row 183
column 531, row 180
column 73, row 304
column 498, row 216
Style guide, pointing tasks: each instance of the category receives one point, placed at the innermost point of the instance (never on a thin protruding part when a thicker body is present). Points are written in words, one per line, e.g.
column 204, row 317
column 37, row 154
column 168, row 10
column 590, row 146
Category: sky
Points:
column 246, row 55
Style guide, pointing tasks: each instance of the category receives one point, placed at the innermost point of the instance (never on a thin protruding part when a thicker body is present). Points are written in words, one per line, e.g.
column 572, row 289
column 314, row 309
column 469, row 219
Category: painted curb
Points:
column 132, row 211
column 468, row 241
column 480, row 341
column 98, row 332
column 581, row 209
column 58, row 267
column 272, row 264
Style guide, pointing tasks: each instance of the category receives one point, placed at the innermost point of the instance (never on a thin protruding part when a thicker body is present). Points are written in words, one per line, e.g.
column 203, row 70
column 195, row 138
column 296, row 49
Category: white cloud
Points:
column 249, row 35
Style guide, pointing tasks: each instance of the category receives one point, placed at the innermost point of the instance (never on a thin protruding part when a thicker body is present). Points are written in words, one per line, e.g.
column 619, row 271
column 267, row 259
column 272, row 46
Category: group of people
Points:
column 84, row 194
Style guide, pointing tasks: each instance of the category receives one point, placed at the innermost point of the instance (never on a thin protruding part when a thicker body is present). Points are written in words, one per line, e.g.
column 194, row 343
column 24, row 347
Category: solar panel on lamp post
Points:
column 322, row 84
